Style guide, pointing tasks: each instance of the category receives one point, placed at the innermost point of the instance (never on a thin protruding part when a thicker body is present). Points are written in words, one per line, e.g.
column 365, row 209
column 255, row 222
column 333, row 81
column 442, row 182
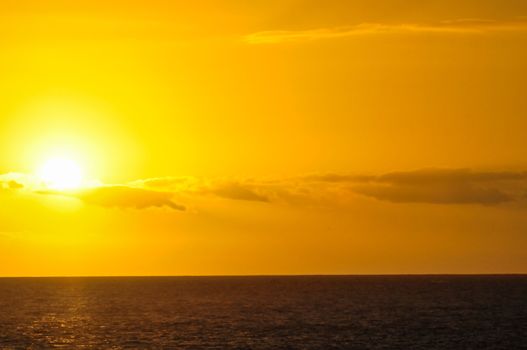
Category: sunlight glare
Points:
column 61, row 174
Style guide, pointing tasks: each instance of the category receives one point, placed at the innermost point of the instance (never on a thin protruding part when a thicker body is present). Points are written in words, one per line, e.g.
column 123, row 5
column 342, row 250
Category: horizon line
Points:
column 520, row 274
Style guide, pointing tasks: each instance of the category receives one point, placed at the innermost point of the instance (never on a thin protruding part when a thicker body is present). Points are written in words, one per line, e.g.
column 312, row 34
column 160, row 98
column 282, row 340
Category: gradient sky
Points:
column 264, row 137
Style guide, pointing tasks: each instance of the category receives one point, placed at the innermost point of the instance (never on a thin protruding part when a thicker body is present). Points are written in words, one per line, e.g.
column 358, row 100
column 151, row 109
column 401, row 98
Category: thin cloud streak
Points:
column 458, row 26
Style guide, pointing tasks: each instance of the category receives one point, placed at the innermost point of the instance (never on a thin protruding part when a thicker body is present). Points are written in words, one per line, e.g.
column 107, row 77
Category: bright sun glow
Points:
column 61, row 174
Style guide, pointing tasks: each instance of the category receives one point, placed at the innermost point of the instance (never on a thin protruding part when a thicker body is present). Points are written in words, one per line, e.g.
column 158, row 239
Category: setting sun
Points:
column 60, row 174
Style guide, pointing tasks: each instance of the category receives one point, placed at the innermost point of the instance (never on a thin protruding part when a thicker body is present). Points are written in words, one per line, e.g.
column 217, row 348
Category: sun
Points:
column 61, row 174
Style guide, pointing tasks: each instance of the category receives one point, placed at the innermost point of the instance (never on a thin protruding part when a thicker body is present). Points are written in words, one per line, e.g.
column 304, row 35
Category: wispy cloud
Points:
column 457, row 26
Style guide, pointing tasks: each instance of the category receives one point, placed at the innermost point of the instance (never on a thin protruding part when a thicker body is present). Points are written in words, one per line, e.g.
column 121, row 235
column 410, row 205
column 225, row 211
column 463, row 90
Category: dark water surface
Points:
column 348, row 312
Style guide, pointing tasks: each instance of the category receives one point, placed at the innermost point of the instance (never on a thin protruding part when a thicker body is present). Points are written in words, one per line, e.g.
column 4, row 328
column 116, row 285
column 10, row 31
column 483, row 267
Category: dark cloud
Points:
column 441, row 186
column 447, row 186
column 440, row 194
column 11, row 185
column 128, row 197
column 431, row 176
column 339, row 178
column 238, row 191
column 120, row 196
column 14, row 185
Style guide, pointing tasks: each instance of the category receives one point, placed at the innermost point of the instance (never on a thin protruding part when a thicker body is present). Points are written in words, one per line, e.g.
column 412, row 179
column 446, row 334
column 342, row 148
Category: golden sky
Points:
column 262, row 137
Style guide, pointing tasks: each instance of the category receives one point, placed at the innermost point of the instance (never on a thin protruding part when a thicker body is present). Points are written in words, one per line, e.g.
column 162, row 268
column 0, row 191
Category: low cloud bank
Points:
column 432, row 186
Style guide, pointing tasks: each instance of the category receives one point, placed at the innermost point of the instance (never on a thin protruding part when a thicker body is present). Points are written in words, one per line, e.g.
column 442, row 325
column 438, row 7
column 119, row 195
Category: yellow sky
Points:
column 264, row 137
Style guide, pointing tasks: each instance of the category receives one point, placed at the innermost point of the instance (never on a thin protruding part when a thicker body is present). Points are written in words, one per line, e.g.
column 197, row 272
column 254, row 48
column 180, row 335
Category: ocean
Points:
column 294, row 312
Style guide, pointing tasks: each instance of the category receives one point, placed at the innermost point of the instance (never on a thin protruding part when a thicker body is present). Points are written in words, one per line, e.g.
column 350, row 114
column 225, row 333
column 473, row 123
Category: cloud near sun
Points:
column 430, row 186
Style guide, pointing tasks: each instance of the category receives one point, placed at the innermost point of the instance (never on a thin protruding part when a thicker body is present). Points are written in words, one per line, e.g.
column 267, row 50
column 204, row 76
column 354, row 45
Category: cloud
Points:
column 435, row 186
column 12, row 182
column 427, row 176
column 13, row 185
column 339, row 178
column 172, row 183
column 236, row 190
column 451, row 193
column 457, row 26
column 441, row 186
column 120, row 196
column 239, row 191
column 128, row 197
column 10, row 185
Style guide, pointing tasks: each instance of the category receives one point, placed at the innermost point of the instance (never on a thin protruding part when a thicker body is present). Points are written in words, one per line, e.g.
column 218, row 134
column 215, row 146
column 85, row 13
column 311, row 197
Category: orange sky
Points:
column 264, row 137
